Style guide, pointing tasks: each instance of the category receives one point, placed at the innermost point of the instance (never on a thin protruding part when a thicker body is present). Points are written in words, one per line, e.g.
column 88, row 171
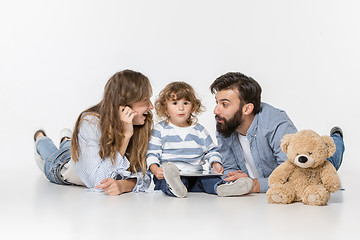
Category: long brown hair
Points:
column 123, row 89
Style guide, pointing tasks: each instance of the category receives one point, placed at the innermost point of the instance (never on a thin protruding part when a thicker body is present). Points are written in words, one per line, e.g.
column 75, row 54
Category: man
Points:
column 249, row 134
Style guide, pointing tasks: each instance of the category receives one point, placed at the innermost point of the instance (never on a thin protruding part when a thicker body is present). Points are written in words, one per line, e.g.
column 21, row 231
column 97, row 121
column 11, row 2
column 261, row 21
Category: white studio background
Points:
column 56, row 56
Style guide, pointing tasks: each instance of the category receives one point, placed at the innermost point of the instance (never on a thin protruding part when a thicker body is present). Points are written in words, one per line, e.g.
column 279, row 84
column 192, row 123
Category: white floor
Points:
column 32, row 206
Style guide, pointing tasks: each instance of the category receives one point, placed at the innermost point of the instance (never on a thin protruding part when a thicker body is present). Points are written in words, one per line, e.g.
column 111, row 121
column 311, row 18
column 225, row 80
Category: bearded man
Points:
column 249, row 134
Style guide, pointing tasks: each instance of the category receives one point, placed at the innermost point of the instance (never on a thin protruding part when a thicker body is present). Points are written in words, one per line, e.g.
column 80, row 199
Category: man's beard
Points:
column 227, row 127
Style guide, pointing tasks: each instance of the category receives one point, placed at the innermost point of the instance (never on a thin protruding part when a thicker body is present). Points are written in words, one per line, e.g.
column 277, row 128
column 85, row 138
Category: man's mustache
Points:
column 217, row 117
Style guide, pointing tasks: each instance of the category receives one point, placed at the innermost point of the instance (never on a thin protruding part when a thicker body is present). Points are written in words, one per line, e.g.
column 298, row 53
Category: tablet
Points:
column 200, row 173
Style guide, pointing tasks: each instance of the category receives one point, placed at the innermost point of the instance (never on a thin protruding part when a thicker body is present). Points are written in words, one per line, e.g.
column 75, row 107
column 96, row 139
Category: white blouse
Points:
column 92, row 169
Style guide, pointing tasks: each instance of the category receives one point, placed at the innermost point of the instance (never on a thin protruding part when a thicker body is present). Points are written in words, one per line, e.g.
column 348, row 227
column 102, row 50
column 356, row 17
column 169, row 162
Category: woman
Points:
column 109, row 143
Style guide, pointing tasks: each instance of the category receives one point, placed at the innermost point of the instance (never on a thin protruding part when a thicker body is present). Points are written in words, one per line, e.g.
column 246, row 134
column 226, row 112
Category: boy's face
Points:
column 179, row 111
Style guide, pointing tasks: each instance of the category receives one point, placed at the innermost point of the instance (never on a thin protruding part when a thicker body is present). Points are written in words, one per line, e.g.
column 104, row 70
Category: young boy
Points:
column 180, row 143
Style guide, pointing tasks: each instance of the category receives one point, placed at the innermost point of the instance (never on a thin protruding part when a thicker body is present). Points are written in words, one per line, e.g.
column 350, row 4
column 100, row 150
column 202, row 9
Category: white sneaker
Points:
column 237, row 188
column 172, row 178
column 65, row 133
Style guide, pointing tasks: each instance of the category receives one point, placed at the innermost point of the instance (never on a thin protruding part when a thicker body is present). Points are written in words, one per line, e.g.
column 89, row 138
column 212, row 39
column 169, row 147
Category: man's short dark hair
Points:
column 249, row 90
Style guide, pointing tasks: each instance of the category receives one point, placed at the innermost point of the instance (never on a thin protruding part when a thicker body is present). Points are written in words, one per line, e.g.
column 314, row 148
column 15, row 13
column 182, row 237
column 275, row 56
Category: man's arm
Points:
column 227, row 155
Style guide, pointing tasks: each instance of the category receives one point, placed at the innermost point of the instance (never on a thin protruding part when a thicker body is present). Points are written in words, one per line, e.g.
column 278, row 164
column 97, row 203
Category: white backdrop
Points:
column 56, row 56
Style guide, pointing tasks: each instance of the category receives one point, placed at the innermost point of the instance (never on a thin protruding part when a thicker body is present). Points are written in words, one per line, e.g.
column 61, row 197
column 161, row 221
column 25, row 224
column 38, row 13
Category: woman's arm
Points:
column 126, row 117
column 91, row 168
column 114, row 187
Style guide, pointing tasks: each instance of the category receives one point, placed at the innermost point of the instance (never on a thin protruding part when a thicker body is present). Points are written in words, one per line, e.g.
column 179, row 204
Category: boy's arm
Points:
column 157, row 171
column 154, row 150
column 212, row 154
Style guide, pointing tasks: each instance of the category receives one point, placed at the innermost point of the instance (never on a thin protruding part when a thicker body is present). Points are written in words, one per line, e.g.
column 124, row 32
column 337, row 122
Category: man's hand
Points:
column 157, row 171
column 217, row 167
column 232, row 176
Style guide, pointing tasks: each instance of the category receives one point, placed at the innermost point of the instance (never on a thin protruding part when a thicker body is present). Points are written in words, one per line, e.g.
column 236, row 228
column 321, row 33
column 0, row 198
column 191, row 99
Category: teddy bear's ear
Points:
column 330, row 145
column 286, row 141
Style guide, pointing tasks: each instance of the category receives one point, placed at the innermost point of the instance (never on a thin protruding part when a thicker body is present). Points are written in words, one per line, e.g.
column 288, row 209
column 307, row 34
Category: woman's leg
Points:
column 45, row 147
column 54, row 158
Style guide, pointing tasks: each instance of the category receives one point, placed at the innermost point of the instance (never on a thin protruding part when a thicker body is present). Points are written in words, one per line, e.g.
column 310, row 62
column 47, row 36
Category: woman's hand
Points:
column 217, row 167
column 110, row 186
column 157, row 171
column 126, row 116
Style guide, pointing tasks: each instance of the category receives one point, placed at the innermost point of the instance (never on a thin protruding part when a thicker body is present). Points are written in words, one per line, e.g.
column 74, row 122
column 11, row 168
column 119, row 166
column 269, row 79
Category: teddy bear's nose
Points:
column 303, row 159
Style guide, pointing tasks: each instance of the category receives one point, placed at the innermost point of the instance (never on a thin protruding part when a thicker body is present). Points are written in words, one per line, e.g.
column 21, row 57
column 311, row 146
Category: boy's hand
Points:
column 157, row 171
column 217, row 167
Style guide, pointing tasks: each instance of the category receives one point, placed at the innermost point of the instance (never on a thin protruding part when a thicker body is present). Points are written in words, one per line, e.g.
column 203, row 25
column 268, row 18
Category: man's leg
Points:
column 337, row 135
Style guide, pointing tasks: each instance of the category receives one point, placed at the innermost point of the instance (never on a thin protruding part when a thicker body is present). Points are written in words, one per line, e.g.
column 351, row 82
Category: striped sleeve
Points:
column 211, row 154
column 154, row 147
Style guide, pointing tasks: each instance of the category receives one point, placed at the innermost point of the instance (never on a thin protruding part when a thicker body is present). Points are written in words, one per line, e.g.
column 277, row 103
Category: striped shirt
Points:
column 92, row 169
column 187, row 147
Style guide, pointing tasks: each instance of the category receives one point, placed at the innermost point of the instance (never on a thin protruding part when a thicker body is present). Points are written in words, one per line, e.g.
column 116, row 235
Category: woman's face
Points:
column 142, row 108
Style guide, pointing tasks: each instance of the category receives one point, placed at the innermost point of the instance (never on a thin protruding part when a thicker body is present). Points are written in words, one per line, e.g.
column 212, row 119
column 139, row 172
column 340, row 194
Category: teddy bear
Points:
column 306, row 176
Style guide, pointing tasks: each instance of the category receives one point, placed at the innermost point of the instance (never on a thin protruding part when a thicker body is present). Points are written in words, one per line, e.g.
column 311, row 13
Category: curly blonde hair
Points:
column 175, row 91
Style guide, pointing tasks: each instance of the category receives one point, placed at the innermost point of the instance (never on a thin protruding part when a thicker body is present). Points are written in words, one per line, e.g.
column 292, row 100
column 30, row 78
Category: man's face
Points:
column 228, row 111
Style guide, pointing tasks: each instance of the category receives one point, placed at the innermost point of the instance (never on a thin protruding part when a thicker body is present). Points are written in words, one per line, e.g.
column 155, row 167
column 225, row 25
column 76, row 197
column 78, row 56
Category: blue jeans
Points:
column 206, row 184
column 54, row 158
column 340, row 149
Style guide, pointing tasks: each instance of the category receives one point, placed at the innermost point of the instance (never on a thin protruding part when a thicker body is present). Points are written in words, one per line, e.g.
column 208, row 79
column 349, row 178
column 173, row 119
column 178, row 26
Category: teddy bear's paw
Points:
column 279, row 193
column 316, row 196
column 315, row 200
column 277, row 198
column 312, row 198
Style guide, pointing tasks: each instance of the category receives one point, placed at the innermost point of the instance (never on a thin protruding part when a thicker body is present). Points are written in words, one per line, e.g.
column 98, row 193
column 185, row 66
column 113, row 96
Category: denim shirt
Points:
column 265, row 134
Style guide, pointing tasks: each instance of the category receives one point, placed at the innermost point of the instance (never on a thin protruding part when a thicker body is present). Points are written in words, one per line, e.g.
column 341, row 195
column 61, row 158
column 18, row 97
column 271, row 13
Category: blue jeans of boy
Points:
column 206, row 184
column 54, row 158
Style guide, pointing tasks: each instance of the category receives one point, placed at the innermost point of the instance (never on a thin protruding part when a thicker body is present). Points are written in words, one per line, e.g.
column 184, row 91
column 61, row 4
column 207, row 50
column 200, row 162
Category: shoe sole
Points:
column 172, row 178
column 240, row 187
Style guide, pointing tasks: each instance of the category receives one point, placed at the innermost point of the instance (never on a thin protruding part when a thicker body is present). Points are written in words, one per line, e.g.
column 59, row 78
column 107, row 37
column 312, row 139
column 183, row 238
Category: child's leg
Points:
column 174, row 182
column 163, row 186
column 209, row 184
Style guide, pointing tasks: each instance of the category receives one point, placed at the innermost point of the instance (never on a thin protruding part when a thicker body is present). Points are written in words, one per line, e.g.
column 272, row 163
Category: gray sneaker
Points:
column 237, row 188
column 172, row 178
